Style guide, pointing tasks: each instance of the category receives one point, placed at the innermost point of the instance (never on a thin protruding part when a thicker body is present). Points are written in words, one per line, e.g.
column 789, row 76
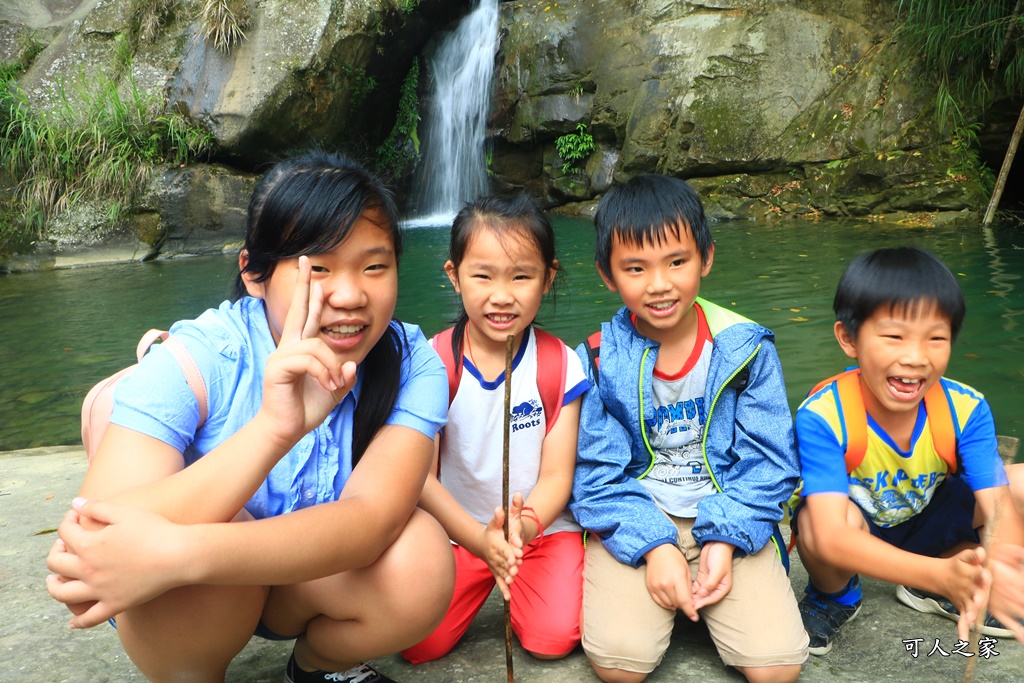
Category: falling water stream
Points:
column 453, row 168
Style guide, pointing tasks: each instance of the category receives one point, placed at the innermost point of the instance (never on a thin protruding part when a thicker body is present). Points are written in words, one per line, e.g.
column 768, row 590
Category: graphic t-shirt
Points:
column 679, row 478
column 471, row 449
column 891, row 484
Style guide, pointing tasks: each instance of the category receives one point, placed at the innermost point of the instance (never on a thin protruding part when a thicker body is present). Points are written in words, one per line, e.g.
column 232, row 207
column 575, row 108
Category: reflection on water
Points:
column 65, row 330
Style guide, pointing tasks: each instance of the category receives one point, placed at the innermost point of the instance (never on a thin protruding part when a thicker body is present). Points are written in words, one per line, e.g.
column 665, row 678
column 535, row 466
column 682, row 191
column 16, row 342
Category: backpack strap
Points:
column 442, row 343
column 551, row 368
column 940, row 421
column 99, row 402
column 855, row 419
column 594, row 353
column 193, row 377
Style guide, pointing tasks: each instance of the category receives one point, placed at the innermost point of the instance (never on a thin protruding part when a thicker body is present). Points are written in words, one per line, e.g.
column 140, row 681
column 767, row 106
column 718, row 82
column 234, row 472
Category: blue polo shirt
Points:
column 230, row 345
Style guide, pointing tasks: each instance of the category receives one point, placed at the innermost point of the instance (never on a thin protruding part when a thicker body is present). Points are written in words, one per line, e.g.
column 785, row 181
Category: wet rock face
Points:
column 773, row 107
column 722, row 88
column 306, row 72
column 299, row 75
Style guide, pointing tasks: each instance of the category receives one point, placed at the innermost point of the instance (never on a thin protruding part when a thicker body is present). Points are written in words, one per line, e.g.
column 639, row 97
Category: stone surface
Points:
column 773, row 107
column 733, row 87
column 36, row 487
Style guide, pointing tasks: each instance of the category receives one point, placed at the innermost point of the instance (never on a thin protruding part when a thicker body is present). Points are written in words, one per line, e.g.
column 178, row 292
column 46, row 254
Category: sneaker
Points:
column 930, row 603
column 363, row 673
column 822, row 620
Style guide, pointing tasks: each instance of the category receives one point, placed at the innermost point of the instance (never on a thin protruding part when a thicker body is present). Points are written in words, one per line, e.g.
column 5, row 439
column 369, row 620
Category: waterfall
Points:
column 453, row 168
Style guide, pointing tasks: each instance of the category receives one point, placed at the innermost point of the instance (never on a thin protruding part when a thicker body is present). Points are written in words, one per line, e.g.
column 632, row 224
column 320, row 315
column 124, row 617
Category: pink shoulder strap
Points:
column 188, row 366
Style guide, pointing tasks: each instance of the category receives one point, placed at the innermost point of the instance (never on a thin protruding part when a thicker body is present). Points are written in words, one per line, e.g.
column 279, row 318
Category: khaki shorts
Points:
column 756, row 624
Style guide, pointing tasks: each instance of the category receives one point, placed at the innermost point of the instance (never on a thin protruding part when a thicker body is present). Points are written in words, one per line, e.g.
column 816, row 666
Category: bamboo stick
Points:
column 509, row 344
column 1004, row 170
column 991, row 531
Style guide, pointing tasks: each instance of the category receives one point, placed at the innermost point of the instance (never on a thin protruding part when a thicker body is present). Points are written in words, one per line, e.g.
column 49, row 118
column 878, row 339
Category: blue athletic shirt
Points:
column 230, row 345
column 890, row 484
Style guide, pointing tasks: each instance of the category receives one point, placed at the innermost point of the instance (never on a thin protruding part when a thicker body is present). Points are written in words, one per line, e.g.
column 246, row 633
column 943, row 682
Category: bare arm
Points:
column 852, row 548
column 137, row 555
column 1006, row 555
column 303, row 382
column 557, row 466
column 457, row 523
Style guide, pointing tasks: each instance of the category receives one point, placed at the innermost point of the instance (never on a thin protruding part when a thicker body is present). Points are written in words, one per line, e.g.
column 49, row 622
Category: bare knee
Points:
column 617, row 675
column 419, row 570
column 191, row 632
column 771, row 674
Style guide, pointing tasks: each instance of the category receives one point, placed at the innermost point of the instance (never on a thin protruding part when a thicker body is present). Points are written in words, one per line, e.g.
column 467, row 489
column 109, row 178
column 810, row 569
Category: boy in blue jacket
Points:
column 686, row 454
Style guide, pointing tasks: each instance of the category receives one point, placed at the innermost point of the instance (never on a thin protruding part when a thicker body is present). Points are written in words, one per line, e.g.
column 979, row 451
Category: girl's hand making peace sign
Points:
column 304, row 378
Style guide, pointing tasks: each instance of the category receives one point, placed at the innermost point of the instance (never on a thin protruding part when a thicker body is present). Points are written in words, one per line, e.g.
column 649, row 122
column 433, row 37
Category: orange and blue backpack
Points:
column 855, row 419
column 855, row 425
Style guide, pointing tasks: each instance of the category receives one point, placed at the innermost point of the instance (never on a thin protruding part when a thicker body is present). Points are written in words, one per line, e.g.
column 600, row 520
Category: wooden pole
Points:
column 991, row 531
column 1004, row 171
column 509, row 344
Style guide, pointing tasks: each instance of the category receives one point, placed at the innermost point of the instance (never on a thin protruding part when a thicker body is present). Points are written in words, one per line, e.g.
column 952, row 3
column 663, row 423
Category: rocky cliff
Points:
column 769, row 107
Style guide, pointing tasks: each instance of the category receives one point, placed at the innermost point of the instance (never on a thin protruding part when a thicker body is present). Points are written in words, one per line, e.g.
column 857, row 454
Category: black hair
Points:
column 903, row 278
column 307, row 205
column 507, row 216
column 641, row 210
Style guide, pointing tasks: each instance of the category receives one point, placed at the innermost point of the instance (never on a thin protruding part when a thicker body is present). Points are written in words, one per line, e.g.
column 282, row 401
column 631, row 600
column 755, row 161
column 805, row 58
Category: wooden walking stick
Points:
column 991, row 531
column 1008, row 450
column 509, row 344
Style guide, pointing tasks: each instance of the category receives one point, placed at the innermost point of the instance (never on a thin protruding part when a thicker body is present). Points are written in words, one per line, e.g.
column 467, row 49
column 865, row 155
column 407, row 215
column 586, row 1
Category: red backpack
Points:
column 99, row 402
column 551, row 365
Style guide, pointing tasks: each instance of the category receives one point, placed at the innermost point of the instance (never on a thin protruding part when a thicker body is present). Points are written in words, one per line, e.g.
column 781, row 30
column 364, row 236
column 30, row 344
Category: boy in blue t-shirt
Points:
column 900, row 465
column 686, row 454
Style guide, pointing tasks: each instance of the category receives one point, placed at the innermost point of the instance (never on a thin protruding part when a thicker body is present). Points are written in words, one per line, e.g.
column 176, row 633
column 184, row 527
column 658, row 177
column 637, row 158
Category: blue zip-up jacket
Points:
column 748, row 443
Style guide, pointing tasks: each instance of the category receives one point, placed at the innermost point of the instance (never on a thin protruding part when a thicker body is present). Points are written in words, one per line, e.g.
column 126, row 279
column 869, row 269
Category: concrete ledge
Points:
column 36, row 487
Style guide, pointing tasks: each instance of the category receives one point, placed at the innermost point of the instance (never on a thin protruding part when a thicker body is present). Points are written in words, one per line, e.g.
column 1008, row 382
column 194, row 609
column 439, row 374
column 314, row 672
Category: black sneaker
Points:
column 930, row 603
column 363, row 673
column 822, row 620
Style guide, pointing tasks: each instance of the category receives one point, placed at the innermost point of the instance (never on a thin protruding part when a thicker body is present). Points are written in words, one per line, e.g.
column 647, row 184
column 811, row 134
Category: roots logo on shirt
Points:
column 525, row 415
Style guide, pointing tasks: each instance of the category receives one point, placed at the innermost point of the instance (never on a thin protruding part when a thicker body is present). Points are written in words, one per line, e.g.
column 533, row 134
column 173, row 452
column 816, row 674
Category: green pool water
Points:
column 65, row 330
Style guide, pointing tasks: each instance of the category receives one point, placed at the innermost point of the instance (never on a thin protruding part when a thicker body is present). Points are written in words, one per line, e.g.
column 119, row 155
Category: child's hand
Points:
column 98, row 574
column 515, row 521
column 966, row 585
column 503, row 558
column 304, row 378
column 714, row 575
column 1006, row 602
column 668, row 579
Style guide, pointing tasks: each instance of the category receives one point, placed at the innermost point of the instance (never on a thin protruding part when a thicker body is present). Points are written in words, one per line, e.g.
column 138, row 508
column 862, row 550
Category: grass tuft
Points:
column 224, row 22
column 105, row 143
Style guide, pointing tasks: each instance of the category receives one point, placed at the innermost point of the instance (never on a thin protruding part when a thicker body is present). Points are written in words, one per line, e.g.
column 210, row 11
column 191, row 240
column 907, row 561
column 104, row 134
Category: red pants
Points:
column 546, row 597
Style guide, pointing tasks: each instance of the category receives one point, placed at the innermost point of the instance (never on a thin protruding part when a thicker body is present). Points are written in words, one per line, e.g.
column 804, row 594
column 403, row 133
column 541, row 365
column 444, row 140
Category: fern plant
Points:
column 976, row 49
column 393, row 156
column 574, row 148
